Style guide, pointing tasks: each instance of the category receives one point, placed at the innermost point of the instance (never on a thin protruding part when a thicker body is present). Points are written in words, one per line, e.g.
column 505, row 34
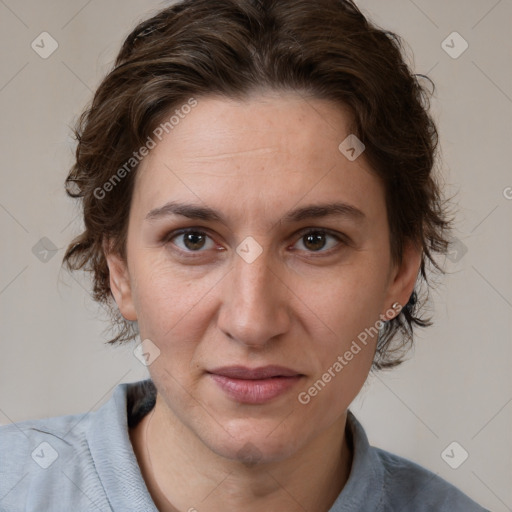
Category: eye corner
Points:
column 341, row 240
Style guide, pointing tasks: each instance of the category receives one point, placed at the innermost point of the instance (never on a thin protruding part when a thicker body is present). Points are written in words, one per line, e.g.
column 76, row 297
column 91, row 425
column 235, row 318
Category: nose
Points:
column 255, row 305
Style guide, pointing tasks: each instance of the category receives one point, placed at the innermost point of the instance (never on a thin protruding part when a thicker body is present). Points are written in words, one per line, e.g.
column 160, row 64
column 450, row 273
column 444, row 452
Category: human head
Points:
column 324, row 49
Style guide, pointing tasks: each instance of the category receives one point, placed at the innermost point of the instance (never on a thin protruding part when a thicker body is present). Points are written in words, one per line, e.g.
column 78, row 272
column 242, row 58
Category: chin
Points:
column 252, row 442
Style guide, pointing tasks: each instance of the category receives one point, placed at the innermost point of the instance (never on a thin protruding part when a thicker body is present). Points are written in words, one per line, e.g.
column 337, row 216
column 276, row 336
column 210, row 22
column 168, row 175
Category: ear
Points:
column 403, row 277
column 120, row 283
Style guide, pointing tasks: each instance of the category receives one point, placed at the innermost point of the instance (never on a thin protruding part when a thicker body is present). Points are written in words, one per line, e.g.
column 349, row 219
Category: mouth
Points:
column 254, row 386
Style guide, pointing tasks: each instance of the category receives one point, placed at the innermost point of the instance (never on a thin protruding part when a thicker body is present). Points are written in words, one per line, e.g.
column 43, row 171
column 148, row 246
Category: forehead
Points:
column 266, row 149
column 220, row 128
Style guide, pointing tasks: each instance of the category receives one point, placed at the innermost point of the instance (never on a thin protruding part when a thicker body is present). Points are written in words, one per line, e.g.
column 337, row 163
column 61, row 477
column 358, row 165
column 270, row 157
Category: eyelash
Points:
column 301, row 234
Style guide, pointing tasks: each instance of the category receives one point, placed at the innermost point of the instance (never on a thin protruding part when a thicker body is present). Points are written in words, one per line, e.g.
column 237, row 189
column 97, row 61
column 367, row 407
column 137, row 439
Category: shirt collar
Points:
column 117, row 466
column 364, row 489
column 112, row 451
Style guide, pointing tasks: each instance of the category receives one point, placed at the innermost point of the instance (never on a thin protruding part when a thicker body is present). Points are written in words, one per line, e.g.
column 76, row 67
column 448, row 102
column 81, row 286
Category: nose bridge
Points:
column 254, row 279
column 255, row 307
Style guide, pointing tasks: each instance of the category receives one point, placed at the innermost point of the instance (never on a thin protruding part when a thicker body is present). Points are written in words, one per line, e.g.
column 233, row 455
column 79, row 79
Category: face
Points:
column 257, row 256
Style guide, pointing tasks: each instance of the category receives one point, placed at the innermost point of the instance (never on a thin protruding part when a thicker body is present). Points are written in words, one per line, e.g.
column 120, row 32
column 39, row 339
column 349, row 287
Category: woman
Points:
column 260, row 208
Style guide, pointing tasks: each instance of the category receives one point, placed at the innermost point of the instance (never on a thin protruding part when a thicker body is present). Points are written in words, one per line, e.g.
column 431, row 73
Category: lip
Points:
column 254, row 385
column 262, row 372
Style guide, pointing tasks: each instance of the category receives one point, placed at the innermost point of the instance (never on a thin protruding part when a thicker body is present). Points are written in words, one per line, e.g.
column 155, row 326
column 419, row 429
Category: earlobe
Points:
column 405, row 276
column 120, row 284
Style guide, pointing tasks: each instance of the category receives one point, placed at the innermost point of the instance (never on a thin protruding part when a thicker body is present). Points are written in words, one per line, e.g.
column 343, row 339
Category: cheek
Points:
column 170, row 302
column 349, row 307
column 346, row 301
column 344, row 360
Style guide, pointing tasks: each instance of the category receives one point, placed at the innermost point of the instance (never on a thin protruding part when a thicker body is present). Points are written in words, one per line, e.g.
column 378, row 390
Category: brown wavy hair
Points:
column 326, row 48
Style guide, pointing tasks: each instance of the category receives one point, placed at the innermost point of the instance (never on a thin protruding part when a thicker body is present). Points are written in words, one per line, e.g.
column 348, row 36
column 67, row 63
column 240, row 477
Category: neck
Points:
column 181, row 473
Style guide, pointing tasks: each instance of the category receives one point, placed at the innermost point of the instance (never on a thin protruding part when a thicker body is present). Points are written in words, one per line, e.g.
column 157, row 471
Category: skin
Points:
column 299, row 304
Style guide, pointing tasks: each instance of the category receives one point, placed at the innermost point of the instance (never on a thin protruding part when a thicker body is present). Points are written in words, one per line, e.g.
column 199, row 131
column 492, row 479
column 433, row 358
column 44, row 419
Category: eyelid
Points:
column 297, row 236
column 315, row 229
column 183, row 231
column 340, row 237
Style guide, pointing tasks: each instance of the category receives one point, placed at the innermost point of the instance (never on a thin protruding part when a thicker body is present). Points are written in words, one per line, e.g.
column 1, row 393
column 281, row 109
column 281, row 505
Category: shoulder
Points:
column 42, row 459
column 409, row 486
column 74, row 462
column 385, row 482
column 41, row 442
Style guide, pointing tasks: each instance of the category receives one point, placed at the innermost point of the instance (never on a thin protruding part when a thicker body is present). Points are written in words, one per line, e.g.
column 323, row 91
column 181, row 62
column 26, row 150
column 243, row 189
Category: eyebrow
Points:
column 313, row 211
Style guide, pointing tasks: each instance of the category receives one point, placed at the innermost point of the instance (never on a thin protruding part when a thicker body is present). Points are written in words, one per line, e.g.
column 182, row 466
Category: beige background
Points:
column 458, row 385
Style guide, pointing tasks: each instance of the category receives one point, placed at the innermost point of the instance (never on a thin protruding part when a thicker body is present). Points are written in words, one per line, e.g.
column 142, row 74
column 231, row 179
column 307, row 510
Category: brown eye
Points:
column 318, row 240
column 314, row 241
column 192, row 241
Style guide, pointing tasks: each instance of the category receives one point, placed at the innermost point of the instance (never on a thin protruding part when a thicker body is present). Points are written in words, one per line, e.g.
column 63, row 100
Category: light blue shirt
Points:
column 79, row 463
